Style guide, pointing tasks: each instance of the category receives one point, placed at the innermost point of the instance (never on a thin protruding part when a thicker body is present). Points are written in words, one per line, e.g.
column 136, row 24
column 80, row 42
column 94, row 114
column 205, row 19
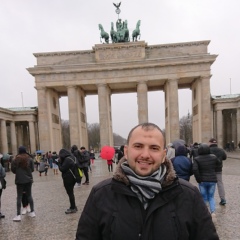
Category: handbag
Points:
column 3, row 183
column 80, row 172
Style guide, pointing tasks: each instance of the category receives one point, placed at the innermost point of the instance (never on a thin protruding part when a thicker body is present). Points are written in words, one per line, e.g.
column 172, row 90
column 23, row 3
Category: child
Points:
column 110, row 166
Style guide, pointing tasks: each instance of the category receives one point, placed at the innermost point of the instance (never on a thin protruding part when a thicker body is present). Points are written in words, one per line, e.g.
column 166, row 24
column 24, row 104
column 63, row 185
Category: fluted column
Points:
column 238, row 125
column 171, row 110
column 106, row 136
column 219, row 122
column 205, row 115
column 73, row 115
column 13, row 138
column 32, row 137
column 26, row 136
column 43, row 119
column 19, row 135
column 234, row 128
column 142, row 98
column 4, row 136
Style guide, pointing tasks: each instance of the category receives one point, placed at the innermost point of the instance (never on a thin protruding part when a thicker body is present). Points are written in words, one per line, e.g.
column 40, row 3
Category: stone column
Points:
column 26, row 136
column 73, row 115
column 32, row 137
column 205, row 115
column 106, row 136
column 219, row 123
column 238, row 125
column 4, row 136
column 234, row 128
column 228, row 126
column 142, row 99
column 19, row 135
column 43, row 119
column 171, row 110
column 13, row 138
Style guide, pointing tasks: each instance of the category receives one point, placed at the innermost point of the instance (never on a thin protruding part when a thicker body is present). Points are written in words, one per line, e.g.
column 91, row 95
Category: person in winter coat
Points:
column 110, row 165
column 144, row 199
column 204, row 171
column 182, row 164
column 221, row 155
column 92, row 156
column 2, row 176
column 23, row 166
column 170, row 151
column 194, row 151
column 54, row 163
column 66, row 165
column 83, row 161
column 120, row 153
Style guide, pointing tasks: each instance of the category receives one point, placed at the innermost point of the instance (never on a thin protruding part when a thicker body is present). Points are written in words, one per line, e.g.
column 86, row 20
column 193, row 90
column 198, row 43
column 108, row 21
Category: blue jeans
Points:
column 207, row 189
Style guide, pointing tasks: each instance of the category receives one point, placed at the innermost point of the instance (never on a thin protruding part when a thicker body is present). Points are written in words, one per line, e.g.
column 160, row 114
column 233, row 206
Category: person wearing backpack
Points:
column 66, row 165
column 84, row 161
column 76, row 153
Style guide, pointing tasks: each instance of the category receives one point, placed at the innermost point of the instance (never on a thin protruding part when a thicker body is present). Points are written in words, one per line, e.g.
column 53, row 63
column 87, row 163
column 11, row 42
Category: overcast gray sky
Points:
column 31, row 26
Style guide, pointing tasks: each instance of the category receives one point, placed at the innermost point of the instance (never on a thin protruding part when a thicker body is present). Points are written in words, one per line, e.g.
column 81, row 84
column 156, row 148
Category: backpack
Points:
column 76, row 171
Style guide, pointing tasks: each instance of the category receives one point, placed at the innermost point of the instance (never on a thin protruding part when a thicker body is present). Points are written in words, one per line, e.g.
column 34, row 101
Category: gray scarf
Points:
column 145, row 187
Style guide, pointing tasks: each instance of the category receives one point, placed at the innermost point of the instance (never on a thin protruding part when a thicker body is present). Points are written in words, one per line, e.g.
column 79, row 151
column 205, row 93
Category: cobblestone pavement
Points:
column 51, row 201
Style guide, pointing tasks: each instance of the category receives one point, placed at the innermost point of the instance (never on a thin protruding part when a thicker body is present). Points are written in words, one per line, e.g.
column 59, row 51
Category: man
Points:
column 194, row 151
column 83, row 161
column 145, row 199
column 182, row 164
column 66, row 165
column 221, row 155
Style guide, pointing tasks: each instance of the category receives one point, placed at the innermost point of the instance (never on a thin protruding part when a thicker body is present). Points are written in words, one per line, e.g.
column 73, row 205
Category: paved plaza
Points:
column 51, row 201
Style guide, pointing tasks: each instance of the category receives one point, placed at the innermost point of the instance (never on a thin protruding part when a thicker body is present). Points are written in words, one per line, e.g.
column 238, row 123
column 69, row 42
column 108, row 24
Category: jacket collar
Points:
column 169, row 178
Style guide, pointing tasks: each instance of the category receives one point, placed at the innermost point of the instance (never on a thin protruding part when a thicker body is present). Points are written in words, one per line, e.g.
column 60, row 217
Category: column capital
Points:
column 101, row 84
column 142, row 82
column 71, row 86
column 40, row 88
column 173, row 80
column 203, row 77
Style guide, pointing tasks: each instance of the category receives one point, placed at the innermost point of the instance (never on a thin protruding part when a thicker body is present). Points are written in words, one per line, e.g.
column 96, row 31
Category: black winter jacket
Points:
column 23, row 175
column 220, row 154
column 65, row 164
column 114, row 212
column 204, row 165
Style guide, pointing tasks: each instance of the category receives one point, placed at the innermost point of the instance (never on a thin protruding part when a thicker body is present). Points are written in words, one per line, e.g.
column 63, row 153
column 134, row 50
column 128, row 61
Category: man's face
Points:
column 145, row 151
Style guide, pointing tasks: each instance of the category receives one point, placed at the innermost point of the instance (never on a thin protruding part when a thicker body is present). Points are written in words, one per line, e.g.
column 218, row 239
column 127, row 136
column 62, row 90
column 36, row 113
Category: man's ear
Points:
column 125, row 151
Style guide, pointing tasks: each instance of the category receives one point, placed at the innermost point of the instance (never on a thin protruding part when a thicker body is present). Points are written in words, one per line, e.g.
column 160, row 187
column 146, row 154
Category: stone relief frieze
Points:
column 120, row 54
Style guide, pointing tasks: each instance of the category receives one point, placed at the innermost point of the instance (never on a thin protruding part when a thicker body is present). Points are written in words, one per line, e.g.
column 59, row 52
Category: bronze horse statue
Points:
column 136, row 31
column 103, row 35
column 113, row 34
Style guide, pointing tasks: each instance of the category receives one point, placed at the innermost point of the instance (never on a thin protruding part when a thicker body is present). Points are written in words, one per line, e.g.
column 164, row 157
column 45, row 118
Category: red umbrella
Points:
column 107, row 152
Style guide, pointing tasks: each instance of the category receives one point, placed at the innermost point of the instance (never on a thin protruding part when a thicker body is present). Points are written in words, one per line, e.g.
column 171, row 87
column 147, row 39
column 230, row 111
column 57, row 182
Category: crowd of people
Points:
column 148, row 187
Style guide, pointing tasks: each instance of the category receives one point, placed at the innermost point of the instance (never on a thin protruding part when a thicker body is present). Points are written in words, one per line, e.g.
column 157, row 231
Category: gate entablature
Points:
column 127, row 67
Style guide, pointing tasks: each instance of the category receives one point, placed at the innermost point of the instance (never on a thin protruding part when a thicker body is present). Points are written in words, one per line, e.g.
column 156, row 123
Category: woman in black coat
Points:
column 66, row 165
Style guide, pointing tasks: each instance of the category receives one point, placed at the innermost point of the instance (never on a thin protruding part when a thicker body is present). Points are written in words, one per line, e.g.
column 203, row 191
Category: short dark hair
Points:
column 82, row 148
column 146, row 126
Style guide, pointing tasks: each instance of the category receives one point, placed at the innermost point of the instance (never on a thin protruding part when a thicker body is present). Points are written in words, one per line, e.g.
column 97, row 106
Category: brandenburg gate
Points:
column 126, row 67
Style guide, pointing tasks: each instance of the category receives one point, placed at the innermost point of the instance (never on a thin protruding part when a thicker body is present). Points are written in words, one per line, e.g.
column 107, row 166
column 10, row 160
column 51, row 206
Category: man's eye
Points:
column 137, row 146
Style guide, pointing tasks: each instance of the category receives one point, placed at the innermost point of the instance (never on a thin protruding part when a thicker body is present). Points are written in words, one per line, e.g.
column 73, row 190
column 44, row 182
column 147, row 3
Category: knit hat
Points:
column 213, row 140
column 22, row 149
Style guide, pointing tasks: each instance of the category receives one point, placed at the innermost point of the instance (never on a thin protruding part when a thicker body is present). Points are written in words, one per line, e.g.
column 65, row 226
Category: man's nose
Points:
column 145, row 152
